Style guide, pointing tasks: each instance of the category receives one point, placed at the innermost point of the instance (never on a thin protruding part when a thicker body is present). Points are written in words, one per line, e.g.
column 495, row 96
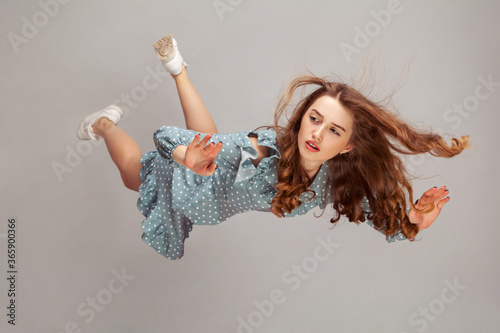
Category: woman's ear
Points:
column 348, row 148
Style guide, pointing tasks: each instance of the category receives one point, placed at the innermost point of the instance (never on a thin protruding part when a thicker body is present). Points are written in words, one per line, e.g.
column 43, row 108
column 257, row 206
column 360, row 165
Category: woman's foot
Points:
column 86, row 129
column 169, row 55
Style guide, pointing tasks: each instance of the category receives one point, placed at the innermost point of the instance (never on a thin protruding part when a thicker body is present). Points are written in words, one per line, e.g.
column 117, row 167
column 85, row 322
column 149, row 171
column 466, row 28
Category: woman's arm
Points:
column 422, row 221
column 200, row 157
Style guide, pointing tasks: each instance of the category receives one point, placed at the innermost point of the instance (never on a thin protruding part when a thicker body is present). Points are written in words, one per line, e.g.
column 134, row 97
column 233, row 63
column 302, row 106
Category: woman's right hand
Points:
column 200, row 157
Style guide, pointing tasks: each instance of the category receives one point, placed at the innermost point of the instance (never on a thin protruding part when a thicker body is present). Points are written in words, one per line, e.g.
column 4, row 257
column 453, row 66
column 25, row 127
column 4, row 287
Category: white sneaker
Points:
column 168, row 53
column 85, row 132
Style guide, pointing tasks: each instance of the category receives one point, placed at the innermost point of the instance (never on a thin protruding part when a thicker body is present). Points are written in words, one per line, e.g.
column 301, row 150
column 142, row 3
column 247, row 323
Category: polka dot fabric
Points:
column 173, row 198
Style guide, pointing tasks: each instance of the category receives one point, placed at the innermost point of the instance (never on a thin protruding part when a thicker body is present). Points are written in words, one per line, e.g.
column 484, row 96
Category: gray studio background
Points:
column 81, row 264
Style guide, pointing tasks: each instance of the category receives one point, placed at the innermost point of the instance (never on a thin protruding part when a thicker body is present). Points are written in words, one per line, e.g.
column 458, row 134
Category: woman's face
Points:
column 325, row 131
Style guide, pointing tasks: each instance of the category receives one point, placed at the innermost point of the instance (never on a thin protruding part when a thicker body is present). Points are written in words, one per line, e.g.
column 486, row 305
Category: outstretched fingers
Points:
column 441, row 197
column 434, row 194
column 211, row 148
column 196, row 141
column 437, row 196
column 205, row 140
column 441, row 203
column 214, row 149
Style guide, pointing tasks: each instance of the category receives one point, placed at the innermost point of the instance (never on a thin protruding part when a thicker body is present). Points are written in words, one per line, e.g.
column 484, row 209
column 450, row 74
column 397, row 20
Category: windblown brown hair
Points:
column 372, row 169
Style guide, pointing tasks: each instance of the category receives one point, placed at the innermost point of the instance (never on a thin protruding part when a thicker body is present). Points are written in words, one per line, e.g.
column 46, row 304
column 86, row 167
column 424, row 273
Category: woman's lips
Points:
column 311, row 146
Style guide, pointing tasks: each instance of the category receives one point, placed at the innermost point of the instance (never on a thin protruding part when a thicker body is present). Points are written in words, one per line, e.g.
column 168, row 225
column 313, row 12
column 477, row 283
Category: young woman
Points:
column 338, row 148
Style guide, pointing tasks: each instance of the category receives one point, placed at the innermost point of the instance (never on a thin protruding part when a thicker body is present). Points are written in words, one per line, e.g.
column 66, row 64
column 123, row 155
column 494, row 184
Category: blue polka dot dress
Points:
column 173, row 198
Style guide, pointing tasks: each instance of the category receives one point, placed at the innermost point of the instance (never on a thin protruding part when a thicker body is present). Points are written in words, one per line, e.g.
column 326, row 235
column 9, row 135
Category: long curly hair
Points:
column 371, row 170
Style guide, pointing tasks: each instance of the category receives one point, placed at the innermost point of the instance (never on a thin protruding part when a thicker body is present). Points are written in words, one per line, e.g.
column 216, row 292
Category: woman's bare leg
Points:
column 196, row 114
column 124, row 151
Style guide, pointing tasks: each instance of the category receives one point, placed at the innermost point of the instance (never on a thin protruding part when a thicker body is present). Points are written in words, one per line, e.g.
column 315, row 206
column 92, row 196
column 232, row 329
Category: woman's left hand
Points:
column 434, row 195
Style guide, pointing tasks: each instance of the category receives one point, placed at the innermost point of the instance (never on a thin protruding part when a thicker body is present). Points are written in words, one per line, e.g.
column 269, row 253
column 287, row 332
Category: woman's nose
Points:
column 317, row 134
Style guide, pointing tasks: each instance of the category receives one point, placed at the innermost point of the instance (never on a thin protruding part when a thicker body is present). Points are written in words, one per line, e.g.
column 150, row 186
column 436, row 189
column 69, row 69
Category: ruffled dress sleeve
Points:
column 236, row 154
column 168, row 138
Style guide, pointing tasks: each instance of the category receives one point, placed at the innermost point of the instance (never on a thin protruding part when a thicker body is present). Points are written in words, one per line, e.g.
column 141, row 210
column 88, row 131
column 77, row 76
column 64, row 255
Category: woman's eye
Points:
column 335, row 131
column 314, row 119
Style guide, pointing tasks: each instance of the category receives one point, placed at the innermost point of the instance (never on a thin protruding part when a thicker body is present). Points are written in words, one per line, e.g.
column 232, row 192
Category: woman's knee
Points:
column 131, row 180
